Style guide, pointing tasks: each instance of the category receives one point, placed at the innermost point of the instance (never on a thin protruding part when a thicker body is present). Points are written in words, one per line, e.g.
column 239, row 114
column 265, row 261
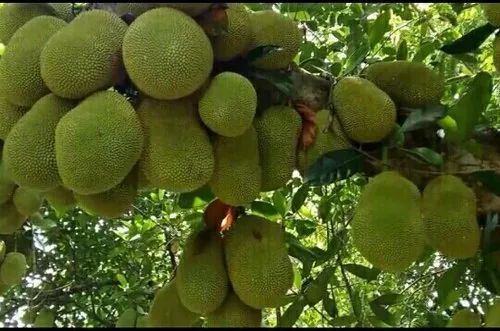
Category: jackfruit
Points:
column 9, row 115
column 15, row 15
column 61, row 199
column 228, row 106
column 273, row 29
column 167, row 310
column 202, row 281
column 10, row 219
column 112, row 203
column 496, row 53
column 141, row 321
column 29, row 150
column 27, row 201
column 449, row 210
column 2, row 250
column 492, row 13
column 63, row 10
column 257, row 261
column 409, row 84
column 278, row 130
column 22, row 60
column 366, row 113
column 127, row 319
column 13, row 268
column 492, row 316
column 98, row 143
column 4, row 288
column 237, row 176
column 387, row 227
column 171, row 72
column 6, row 191
column 238, row 36
column 234, row 313
column 177, row 155
column 44, row 319
column 465, row 318
column 192, row 9
column 84, row 56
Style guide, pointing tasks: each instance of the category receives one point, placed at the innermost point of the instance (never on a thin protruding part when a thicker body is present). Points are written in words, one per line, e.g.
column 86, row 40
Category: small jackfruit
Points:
column 257, row 261
column 13, row 268
column 98, row 143
column 29, row 150
column 449, row 210
column 409, row 84
column 84, row 56
column 127, row 319
column 63, row 10
column 167, row 310
column 22, row 60
column 44, row 319
column 27, row 201
column 15, row 15
column 10, row 219
column 465, row 318
column 278, row 130
column 387, row 227
column 172, row 72
column 61, row 199
column 178, row 155
column 239, row 34
column 366, row 113
column 273, row 29
column 9, row 115
column 237, row 175
column 202, row 281
column 492, row 316
column 228, row 106
column 234, row 313
column 492, row 13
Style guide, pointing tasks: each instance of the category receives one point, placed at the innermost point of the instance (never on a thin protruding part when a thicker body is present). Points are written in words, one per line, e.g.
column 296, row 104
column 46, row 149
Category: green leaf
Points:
column 279, row 203
column 293, row 313
column 344, row 320
column 379, row 28
column 362, row 271
column 383, row 314
column 402, row 53
column 261, row 51
column 123, row 281
column 304, row 227
column 424, row 51
column 330, row 306
column 355, row 57
column 280, row 80
column 196, row 199
column 388, row 299
column 299, row 197
column 448, row 281
column 334, row 166
column 264, row 209
column 490, row 179
column 317, row 289
column 470, row 41
column 357, row 306
column 426, row 154
column 423, row 117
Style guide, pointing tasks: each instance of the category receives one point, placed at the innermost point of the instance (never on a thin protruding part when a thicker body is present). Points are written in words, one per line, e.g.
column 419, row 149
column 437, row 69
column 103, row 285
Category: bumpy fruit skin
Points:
column 27, row 201
column 127, row 319
column 85, row 56
column 167, row 309
column 177, row 155
column 9, row 115
column 237, row 175
column 63, row 10
column 449, row 209
column 239, row 34
column 10, row 219
column 278, row 130
column 22, row 60
column 98, row 143
column 496, row 53
column 257, row 261
column 387, row 227
column 492, row 316
column 409, row 84
column 15, row 15
column 228, row 106
column 465, row 318
column 192, row 9
column 202, row 282
column 271, row 28
column 13, row 268
column 29, row 150
column 44, row 319
column 366, row 113
column 234, row 313
column 492, row 13
column 61, row 199
column 167, row 54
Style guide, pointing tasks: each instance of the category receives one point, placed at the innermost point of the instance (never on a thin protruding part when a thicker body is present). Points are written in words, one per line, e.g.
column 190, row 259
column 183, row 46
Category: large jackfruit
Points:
column 29, row 151
column 167, row 310
column 44, row 319
column 127, row 319
column 271, row 28
column 167, row 54
column 492, row 13
column 366, row 113
column 202, row 282
column 63, row 10
column 98, row 143
column 239, row 34
column 228, row 106
column 22, row 60
column 84, row 56
column 13, row 268
column 466, row 319
column 15, row 15
column 234, row 313
column 278, row 130
column 112, row 203
column 257, row 261
column 237, row 175
column 449, row 209
column 496, row 53
column 492, row 316
column 177, row 155
column 387, row 227
column 9, row 115
column 409, row 84
column 10, row 219
column 61, row 199
column 27, row 201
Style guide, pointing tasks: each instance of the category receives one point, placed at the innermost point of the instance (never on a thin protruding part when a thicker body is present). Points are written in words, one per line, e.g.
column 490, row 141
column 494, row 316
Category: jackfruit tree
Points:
column 249, row 164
